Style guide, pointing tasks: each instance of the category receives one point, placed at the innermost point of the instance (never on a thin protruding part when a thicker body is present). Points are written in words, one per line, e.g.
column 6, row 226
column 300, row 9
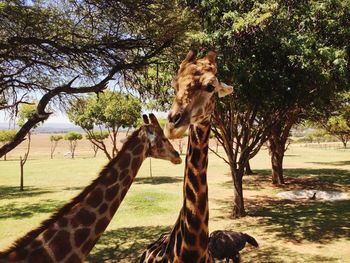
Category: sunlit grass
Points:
column 287, row 231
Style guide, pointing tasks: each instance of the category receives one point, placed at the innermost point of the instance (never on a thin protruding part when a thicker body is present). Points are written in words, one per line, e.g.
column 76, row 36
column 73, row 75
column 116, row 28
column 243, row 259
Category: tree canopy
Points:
column 281, row 57
column 110, row 111
column 53, row 50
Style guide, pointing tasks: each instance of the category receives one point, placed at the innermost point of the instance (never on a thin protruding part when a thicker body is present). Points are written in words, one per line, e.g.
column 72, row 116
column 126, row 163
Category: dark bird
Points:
column 313, row 197
column 225, row 244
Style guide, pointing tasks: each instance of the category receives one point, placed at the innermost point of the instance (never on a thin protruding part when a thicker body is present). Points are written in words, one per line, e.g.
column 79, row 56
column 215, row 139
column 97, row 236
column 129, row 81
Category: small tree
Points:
column 110, row 111
column 338, row 126
column 54, row 139
column 72, row 138
column 7, row 136
column 95, row 138
column 26, row 112
column 318, row 135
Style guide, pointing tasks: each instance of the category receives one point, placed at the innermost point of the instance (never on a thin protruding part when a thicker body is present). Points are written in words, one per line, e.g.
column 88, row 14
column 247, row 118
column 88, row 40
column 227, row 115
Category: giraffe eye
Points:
column 210, row 88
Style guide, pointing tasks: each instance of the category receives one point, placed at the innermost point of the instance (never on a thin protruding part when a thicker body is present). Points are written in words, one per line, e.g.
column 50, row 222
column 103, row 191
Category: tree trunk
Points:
column 277, row 155
column 344, row 143
column 21, row 163
column 238, row 202
column 95, row 152
column 5, row 157
column 150, row 168
column 248, row 170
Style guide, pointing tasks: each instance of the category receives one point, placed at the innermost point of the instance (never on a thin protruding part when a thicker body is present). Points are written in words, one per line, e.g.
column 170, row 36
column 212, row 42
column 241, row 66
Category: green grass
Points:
column 288, row 231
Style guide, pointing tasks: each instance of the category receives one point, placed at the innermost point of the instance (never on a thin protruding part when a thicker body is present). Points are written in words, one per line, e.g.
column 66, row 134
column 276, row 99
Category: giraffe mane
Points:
column 27, row 238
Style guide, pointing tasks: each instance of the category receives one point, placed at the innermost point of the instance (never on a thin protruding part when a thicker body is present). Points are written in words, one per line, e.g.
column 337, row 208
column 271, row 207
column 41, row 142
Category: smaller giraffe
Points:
column 70, row 234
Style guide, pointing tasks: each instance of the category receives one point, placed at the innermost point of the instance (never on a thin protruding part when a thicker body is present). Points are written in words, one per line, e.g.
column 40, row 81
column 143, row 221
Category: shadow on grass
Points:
column 275, row 254
column 313, row 221
column 13, row 192
column 125, row 244
column 158, row 180
column 20, row 210
column 339, row 163
column 297, row 179
column 295, row 221
column 74, row 188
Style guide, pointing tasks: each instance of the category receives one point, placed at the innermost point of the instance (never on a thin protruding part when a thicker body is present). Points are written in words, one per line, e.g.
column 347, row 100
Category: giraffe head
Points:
column 159, row 146
column 195, row 85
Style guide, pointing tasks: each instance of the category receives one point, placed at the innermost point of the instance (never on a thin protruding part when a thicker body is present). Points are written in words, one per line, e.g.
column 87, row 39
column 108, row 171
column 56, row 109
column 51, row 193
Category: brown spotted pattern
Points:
column 188, row 241
column 70, row 234
column 195, row 85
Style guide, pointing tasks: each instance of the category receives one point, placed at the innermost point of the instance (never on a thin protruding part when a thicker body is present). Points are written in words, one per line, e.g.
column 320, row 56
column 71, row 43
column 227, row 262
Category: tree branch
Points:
column 41, row 115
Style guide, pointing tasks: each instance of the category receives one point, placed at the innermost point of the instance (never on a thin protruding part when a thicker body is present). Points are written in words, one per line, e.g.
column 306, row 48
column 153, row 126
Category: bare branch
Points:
column 218, row 155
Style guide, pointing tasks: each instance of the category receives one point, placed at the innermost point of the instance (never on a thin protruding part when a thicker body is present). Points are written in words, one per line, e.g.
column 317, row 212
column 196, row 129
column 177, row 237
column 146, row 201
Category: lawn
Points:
column 287, row 231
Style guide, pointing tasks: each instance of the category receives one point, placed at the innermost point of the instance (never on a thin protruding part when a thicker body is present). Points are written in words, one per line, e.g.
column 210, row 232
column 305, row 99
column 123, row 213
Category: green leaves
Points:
column 73, row 136
column 26, row 111
column 110, row 109
column 56, row 138
column 7, row 135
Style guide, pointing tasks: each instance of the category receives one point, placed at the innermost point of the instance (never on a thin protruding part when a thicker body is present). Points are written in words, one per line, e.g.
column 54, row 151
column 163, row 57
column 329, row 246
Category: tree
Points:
column 334, row 117
column 338, row 126
column 26, row 111
column 7, row 136
column 54, row 139
column 72, row 138
column 278, row 61
column 87, row 42
column 96, row 136
column 278, row 139
column 110, row 111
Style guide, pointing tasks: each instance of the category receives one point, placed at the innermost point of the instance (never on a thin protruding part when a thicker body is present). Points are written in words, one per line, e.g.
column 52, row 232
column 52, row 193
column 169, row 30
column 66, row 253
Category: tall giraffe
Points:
column 195, row 84
column 71, row 233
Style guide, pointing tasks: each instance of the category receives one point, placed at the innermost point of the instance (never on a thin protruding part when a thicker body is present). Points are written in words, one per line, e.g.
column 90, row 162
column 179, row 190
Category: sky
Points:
column 62, row 118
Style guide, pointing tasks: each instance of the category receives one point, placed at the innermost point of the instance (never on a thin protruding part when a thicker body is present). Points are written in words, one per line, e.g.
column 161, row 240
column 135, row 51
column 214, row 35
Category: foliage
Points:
column 7, row 135
column 281, row 57
column 26, row 111
column 46, row 46
column 334, row 117
column 73, row 136
column 56, row 138
column 111, row 111
column 97, row 135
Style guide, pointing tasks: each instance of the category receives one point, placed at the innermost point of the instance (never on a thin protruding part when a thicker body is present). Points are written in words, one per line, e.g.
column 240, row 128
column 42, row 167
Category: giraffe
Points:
column 71, row 233
column 195, row 84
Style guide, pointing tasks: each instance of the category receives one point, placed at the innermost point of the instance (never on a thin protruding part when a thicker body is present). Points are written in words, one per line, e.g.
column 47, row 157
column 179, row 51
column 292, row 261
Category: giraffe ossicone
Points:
column 71, row 233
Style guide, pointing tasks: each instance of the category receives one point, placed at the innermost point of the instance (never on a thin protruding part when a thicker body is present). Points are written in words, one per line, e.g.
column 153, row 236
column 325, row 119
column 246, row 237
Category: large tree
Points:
column 281, row 59
column 46, row 47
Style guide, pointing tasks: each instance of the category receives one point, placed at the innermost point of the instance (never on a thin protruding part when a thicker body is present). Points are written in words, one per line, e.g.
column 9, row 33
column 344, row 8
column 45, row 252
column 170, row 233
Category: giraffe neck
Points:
column 73, row 231
column 189, row 237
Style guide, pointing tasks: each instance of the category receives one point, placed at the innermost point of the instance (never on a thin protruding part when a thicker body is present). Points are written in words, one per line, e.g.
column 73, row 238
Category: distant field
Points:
column 287, row 231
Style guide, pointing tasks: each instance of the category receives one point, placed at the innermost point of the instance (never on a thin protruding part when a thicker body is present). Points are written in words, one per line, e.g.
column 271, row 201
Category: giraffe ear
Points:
column 224, row 90
column 154, row 121
column 211, row 56
column 191, row 56
column 145, row 119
